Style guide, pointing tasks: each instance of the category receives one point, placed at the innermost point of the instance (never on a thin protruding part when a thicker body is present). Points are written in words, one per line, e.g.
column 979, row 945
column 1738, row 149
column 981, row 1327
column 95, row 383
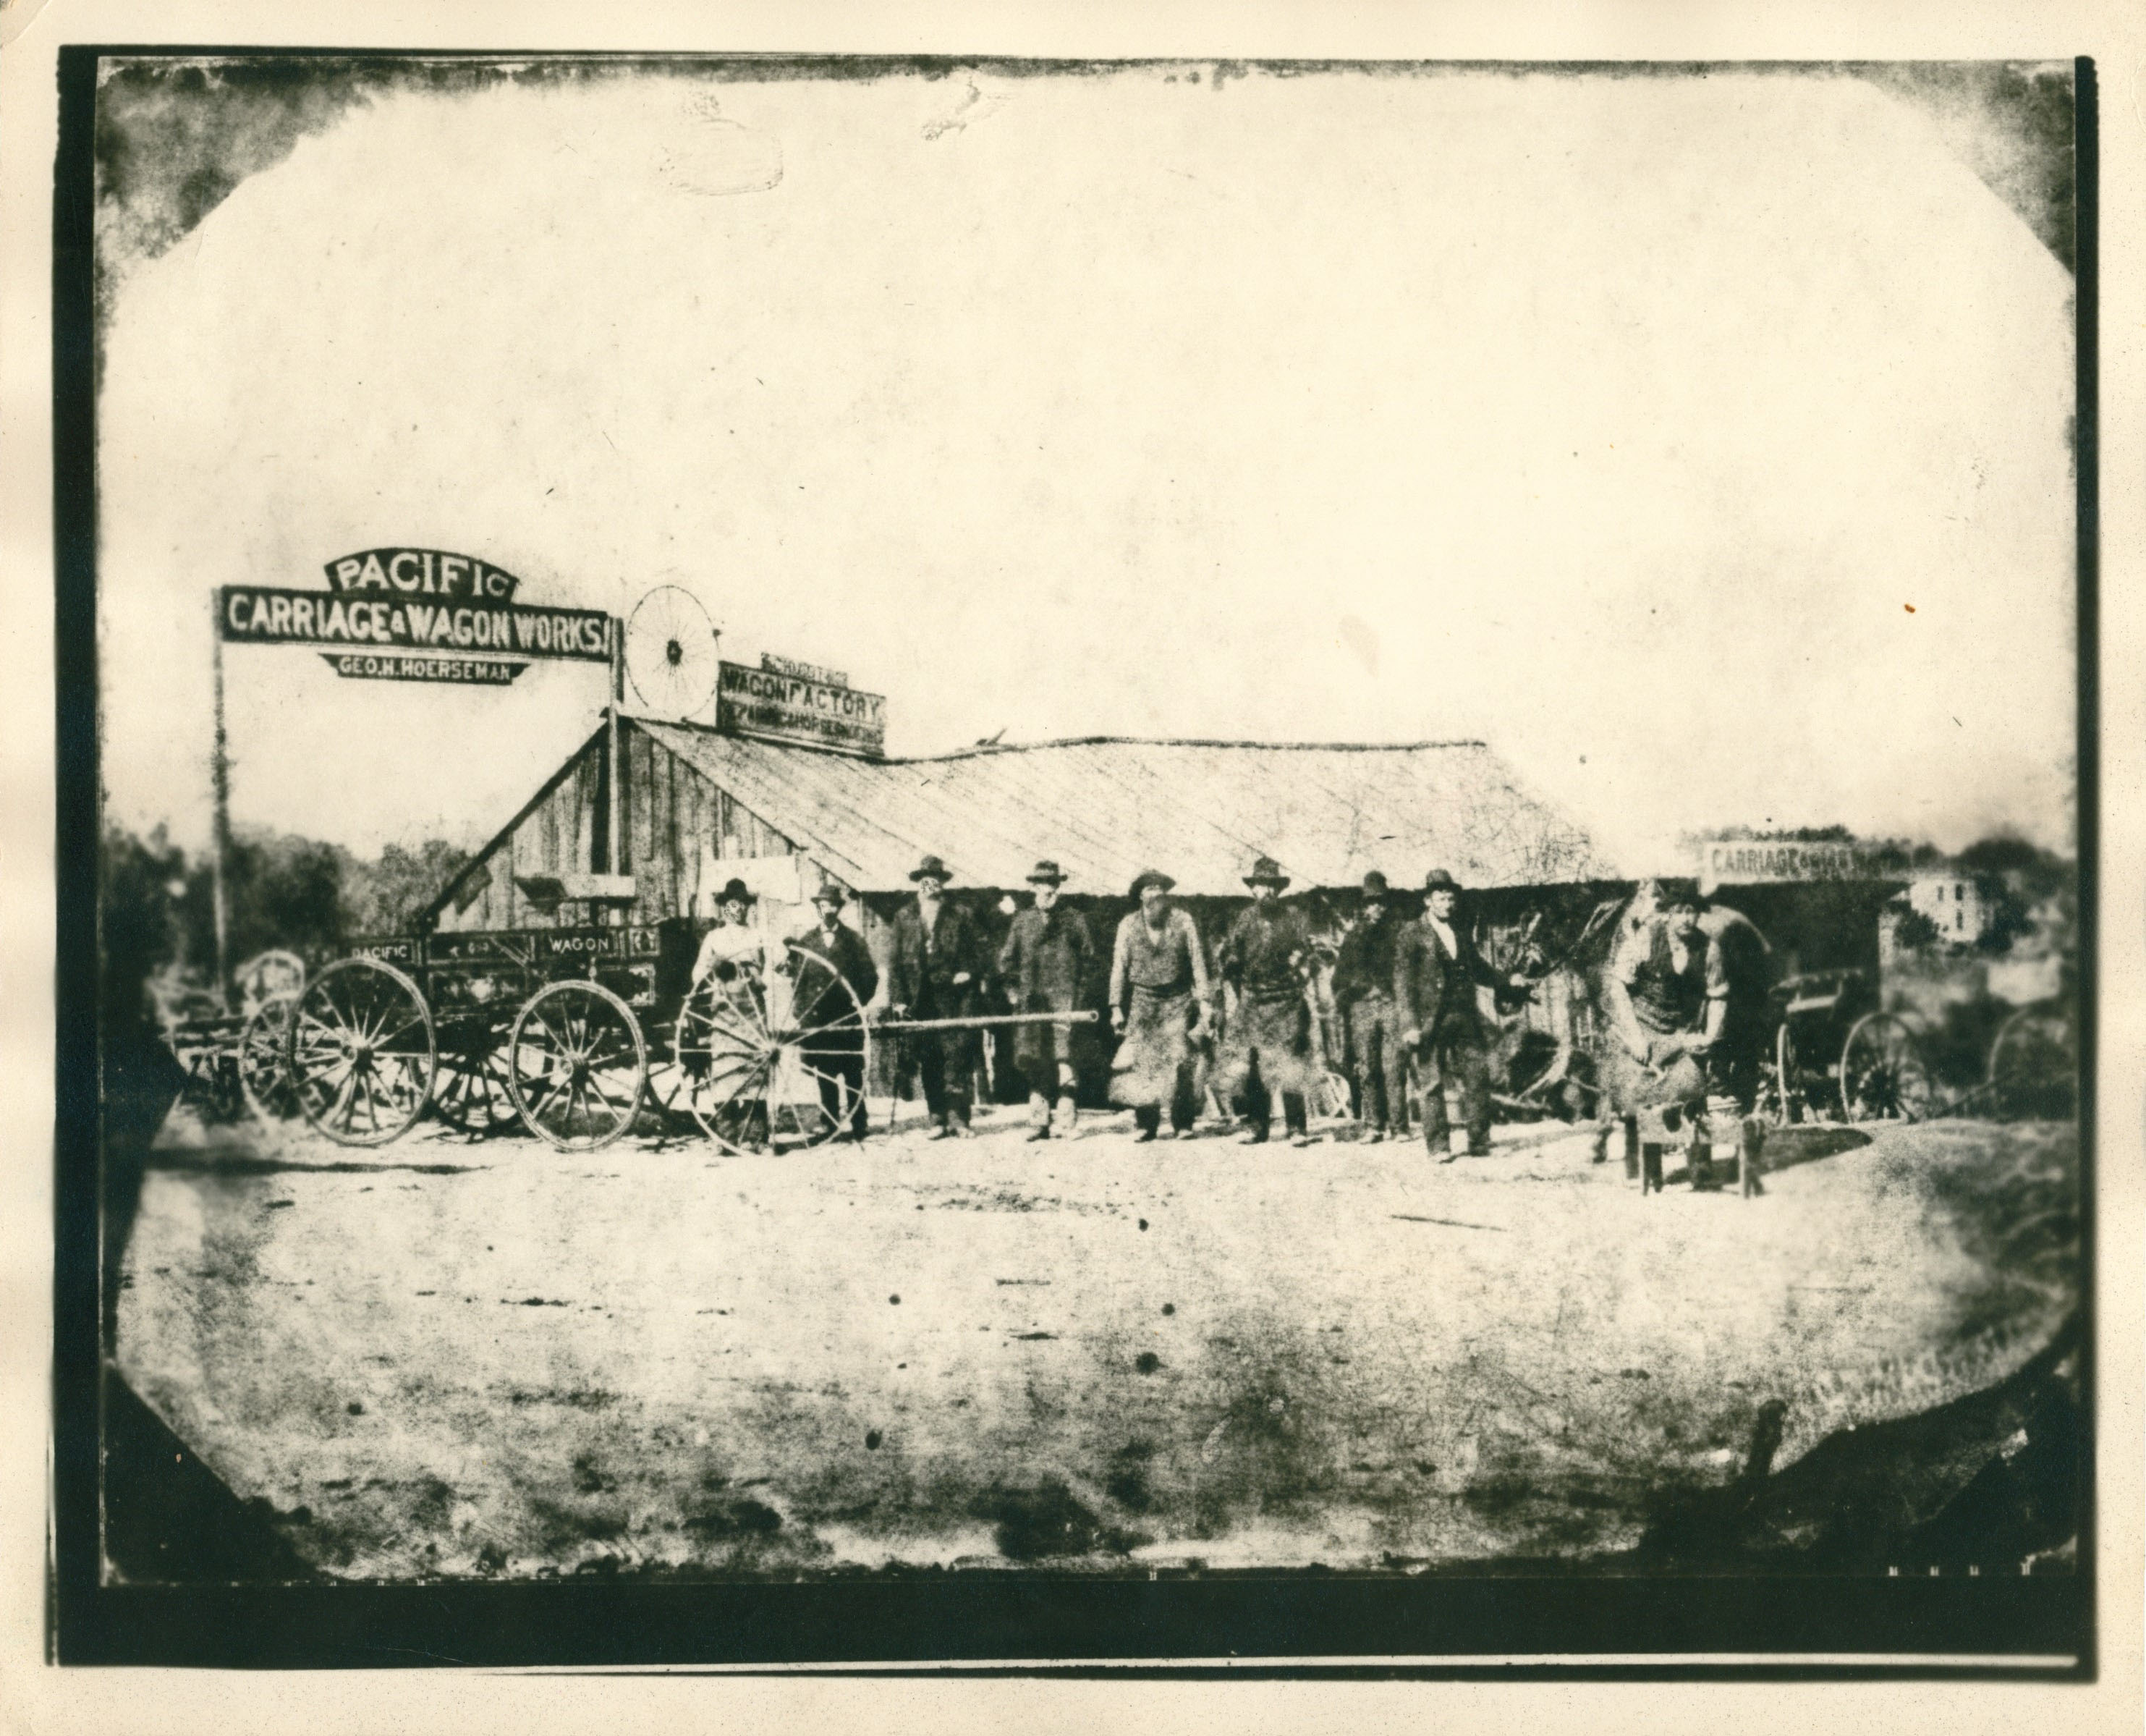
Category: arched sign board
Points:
column 414, row 615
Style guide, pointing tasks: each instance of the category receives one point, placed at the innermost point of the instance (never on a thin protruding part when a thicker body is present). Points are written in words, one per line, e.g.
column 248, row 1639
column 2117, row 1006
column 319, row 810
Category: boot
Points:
column 1067, row 1118
column 1039, row 1117
column 1255, row 1134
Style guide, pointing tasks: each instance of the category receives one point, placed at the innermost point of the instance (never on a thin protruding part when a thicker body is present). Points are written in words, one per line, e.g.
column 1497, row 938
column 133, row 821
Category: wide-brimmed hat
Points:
column 1439, row 880
column 1151, row 877
column 827, row 892
column 1266, row 871
column 1375, row 886
column 1669, row 896
column 1047, row 873
column 934, row 867
column 736, row 892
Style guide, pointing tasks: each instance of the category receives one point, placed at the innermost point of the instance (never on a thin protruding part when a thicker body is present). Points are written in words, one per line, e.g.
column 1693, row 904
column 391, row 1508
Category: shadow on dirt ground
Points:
column 168, row 1518
column 1984, row 1483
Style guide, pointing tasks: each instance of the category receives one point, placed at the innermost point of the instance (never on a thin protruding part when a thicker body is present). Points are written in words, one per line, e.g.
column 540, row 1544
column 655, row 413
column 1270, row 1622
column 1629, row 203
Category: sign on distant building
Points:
column 777, row 706
column 1759, row 862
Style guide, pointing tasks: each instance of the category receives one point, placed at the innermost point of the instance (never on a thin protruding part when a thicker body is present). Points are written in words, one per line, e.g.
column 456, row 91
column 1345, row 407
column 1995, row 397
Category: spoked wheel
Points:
column 776, row 1062
column 267, row 974
column 576, row 1062
column 474, row 1093
column 264, row 1077
column 360, row 1052
column 1882, row 1077
column 2034, row 1065
column 1780, row 1098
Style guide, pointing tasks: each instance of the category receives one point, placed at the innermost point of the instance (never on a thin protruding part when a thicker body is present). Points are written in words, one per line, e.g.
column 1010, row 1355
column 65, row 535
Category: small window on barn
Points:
column 1958, row 893
column 1959, row 920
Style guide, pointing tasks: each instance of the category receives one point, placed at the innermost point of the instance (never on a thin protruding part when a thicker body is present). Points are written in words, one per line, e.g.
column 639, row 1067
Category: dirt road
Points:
column 456, row 1358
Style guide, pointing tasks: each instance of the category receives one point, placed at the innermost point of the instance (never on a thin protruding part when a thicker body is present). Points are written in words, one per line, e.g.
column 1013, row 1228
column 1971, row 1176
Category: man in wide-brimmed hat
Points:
column 834, row 979
column 1668, row 994
column 1047, row 965
column 937, row 959
column 1436, row 971
column 1363, row 992
column 1266, row 1035
column 1159, row 1000
column 735, row 942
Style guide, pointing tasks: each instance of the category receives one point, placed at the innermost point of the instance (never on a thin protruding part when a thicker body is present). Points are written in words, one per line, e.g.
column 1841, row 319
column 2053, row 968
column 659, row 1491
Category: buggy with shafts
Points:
column 575, row 1033
column 1835, row 1051
column 1828, row 1051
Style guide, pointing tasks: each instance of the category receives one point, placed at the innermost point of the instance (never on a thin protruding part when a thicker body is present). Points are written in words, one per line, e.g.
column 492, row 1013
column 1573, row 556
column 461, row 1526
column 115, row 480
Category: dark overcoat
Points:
column 923, row 966
column 1436, row 987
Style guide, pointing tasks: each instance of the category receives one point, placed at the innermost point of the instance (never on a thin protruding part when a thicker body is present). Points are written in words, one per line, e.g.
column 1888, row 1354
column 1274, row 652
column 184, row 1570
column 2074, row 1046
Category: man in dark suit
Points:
column 1437, row 970
column 1363, row 991
column 937, row 958
column 1047, row 965
column 828, row 1019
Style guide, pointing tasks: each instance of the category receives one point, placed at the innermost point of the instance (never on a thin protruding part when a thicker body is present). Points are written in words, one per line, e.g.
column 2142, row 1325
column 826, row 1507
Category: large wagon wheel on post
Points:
column 576, row 1063
column 361, row 1053
column 775, row 1061
column 1882, row 1076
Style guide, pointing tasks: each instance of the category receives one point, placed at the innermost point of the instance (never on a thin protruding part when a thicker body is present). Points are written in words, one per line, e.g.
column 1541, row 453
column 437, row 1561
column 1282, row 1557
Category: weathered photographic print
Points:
column 1024, row 822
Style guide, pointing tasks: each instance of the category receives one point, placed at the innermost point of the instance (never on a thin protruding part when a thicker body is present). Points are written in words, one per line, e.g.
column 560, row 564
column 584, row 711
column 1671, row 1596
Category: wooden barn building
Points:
column 697, row 807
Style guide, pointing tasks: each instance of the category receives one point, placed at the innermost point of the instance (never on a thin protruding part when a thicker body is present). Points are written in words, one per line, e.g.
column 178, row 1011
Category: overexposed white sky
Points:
column 1617, row 421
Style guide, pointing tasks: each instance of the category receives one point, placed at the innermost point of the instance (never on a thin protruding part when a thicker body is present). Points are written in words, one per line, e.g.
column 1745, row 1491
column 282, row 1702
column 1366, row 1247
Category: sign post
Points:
column 404, row 614
column 220, row 790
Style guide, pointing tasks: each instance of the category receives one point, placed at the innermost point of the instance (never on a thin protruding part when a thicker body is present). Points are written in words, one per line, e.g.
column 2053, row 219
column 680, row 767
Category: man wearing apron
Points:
column 1160, row 1001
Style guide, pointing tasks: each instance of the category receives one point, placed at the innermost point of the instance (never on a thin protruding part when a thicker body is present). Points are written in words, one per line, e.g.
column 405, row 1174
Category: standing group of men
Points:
column 1681, row 1002
column 1407, row 989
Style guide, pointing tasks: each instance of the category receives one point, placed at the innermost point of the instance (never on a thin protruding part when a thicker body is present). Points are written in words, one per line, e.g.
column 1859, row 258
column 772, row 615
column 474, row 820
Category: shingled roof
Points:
column 1106, row 806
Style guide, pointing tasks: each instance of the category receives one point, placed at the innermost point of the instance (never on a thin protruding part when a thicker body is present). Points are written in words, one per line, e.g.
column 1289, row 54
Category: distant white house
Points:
column 1963, row 909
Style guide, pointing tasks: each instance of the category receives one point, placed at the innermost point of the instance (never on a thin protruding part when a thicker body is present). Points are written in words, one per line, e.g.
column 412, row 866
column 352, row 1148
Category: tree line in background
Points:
column 312, row 898
column 158, row 912
column 2030, row 891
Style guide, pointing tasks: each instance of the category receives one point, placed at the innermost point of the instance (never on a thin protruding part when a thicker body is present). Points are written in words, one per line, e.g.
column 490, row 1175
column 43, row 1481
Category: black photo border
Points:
column 1513, row 1627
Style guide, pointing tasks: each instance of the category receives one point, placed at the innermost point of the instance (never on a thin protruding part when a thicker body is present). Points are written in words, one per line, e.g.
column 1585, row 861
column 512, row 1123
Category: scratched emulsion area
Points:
column 500, row 1360
column 174, row 137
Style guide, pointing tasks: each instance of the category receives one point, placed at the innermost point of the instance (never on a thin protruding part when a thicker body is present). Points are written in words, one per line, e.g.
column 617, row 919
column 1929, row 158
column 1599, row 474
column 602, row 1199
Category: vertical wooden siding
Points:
column 671, row 812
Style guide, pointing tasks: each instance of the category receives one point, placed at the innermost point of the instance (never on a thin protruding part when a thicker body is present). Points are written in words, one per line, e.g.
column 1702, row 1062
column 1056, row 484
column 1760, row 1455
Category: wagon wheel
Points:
column 777, row 1062
column 361, row 1053
column 575, row 1064
column 1882, row 1077
column 267, row 974
column 474, row 1093
column 2034, row 1065
column 1780, row 1097
column 264, row 1077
